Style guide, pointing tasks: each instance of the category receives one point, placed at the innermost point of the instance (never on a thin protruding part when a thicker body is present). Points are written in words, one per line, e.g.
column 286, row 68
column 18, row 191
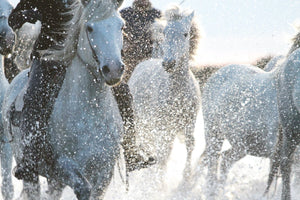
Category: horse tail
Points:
column 275, row 161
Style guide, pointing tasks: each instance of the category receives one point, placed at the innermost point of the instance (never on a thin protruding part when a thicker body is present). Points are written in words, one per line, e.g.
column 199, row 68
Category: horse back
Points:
column 238, row 94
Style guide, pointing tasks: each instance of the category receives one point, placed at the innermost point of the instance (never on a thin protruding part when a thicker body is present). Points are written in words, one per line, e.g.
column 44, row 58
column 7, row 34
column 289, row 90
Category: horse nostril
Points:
column 2, row 34
column 105, row 69
column 89, row 28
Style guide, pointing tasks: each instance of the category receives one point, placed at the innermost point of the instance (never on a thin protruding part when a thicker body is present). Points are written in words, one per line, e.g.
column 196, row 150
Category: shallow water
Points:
column 246, row 180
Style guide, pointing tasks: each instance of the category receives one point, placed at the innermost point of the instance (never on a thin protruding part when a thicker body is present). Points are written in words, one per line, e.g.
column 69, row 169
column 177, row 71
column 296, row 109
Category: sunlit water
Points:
column 246, row 181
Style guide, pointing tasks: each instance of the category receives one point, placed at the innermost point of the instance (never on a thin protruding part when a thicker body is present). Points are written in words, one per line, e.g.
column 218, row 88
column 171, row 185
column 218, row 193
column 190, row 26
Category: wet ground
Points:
column 246, row 181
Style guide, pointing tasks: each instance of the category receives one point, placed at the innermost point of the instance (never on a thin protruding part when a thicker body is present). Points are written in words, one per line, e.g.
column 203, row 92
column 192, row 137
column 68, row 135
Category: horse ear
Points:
column 191, row 16
column 119, row 3
column 85, row 2
column 188, row 19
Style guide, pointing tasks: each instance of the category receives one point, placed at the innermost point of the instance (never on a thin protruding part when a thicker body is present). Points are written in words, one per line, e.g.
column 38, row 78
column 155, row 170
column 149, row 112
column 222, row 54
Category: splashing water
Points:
column 246, row 180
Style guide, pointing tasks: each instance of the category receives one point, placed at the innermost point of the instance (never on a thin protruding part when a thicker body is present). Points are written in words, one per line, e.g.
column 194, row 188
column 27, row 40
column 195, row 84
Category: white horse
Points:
column 166, row 96
column 6, row 43
column 240, row 105
column 85, row 126
column 289, row 109
column 235, row 101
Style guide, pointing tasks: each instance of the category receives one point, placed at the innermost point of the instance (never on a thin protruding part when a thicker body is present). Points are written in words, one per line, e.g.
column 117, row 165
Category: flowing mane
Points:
column 71, row 28
column 63, row 50
column 296, row 42
column 175, row 13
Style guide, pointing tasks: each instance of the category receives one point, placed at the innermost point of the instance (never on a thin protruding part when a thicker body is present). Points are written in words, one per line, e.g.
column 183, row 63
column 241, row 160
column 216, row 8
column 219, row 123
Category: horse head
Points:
column 177, row 34
column 6, row 34
column 102, row 41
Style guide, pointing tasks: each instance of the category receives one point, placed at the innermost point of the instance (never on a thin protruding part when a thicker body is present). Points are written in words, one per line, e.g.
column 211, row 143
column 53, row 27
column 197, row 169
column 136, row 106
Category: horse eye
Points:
column 89, row 29
column 185, row 35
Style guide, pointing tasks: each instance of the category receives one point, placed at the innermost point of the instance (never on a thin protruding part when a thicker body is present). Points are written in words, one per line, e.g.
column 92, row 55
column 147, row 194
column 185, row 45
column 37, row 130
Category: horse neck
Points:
column 182, row 70
column 179, row 78
column 2, row 74
column 82, row 83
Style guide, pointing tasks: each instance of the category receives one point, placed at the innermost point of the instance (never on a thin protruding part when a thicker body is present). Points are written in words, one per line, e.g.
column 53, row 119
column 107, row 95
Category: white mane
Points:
column 175, row 13
column 100, row 8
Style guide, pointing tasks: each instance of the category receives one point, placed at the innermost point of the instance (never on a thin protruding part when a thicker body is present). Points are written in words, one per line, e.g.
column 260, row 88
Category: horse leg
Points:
column 200, row 164
column 214, row 143
column 99, row 170
column 229, row 157
column 68, row 172
column 190, row 145
column 6, row 167
column 296, row 168
column 55, row 189
column 31, row 190
column 288, row 149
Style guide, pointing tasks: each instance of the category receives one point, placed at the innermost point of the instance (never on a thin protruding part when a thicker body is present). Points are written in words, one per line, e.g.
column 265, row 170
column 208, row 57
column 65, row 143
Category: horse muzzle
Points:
column 113, row 72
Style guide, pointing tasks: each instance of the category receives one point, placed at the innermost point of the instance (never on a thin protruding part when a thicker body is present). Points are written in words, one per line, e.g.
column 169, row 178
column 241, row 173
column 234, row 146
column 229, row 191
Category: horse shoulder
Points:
column 294, row 70
column 289, row 74
column 146, row 77
column 296, row 94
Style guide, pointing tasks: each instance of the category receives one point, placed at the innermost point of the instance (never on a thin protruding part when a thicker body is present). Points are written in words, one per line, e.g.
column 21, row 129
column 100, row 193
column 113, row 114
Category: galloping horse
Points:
column 288, row 96
column 6, row 44
column 240, row 105
column 166, row 96
column 85, row 126
column 235, row 100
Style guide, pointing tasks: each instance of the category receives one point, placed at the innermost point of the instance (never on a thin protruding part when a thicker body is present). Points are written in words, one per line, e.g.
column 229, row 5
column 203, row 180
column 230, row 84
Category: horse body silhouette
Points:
column 85, row 127
column 289, row 109
column 165, row 93
column 240, row 105
column 6, row 45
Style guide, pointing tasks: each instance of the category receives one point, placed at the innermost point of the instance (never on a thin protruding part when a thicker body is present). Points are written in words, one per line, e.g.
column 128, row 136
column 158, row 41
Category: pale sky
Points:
column 239, row 31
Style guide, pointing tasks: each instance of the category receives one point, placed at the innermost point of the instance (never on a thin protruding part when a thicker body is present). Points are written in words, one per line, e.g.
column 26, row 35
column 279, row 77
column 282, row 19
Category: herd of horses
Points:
column 256, row 110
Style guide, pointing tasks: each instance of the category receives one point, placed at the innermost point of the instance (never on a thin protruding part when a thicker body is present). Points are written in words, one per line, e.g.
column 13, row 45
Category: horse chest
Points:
column 182, row 100
column 85, row 123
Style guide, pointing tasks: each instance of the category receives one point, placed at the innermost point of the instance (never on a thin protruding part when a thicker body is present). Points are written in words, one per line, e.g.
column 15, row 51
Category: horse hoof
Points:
column 140, row 162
